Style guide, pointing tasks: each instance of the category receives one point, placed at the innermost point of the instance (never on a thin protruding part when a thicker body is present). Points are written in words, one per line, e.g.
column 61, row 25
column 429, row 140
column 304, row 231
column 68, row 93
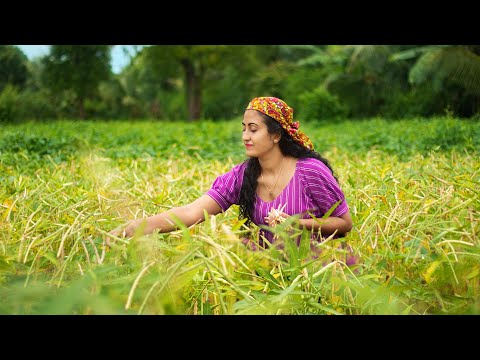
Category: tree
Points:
column 13, row 67
column 451, row 70
column 142, row 91
column 440, row 63
column 78, row 68
column 370, row 83
column 199, row 64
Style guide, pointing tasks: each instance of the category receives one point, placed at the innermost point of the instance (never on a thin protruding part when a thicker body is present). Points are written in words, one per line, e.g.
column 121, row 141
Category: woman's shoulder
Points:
column 240, row 167
column 311, row 164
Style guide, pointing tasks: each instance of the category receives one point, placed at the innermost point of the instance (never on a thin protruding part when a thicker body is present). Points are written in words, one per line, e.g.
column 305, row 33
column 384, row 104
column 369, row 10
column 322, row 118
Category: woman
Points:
column 283, row 172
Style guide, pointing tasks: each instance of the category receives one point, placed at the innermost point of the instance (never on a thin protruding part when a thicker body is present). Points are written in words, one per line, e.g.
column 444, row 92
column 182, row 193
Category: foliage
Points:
column 272, row 80
column 77, row 68
column 18, row 106
column 36, row 105
column 9, row 104
column 176, row 82
column 453, row 72
column 198, row 66
column 13, row 67
column 319, row 104
column 440, row 64
column 109, row 102
column 226, row 97
column 150, row 93
column 301, row 80
column 368, row 83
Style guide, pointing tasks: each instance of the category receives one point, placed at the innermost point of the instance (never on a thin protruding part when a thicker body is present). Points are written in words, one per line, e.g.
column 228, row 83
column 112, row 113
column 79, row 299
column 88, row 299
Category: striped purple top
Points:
column 312, row 188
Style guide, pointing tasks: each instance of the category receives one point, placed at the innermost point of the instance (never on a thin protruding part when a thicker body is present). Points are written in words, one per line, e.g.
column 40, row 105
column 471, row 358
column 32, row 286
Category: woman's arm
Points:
column 343, row 224
column 188, row 214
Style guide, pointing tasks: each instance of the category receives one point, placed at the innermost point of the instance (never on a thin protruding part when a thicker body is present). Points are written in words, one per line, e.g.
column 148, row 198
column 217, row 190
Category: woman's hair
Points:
column 288, row 147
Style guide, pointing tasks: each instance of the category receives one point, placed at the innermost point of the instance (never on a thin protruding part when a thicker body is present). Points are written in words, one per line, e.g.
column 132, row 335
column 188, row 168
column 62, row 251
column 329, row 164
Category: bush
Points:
column 418, row 101
column 17, row 106
column 319, row 104
column 172, row 105
column 35, row 105
column 9, row 104
column 452, row 134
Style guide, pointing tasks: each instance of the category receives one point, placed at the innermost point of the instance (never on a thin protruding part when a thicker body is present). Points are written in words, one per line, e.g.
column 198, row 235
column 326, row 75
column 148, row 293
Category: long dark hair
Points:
column 288, row 147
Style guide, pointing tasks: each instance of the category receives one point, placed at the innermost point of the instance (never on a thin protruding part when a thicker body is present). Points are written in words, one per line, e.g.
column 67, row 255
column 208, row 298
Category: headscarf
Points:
column 281, row 112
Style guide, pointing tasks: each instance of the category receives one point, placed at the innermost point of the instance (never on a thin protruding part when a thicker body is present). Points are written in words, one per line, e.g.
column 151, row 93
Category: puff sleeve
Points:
column 226, row 188
column 322, row 188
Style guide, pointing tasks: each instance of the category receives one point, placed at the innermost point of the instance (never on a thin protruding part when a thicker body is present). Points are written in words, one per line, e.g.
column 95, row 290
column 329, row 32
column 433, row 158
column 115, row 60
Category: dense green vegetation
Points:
column 412, row 186
column 193, row 82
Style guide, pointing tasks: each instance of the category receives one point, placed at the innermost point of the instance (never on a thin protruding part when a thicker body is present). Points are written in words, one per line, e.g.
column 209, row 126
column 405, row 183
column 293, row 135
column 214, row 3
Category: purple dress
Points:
column 312, row 188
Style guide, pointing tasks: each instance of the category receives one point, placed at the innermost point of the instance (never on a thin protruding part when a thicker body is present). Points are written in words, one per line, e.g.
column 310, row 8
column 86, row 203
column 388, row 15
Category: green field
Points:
column 412, row 187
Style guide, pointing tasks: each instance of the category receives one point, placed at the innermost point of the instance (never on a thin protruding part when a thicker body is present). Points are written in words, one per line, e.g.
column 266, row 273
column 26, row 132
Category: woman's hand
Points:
column 275, row 217
column 123, row 231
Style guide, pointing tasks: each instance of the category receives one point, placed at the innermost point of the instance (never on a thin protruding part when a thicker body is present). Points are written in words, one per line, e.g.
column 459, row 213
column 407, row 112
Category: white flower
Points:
column 275, row 216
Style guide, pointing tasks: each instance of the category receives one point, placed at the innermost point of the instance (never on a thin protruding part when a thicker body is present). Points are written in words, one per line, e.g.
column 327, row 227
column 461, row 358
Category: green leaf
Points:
column 267, row 276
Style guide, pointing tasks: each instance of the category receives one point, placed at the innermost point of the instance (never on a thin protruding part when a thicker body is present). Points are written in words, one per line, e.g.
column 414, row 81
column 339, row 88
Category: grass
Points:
column 412, row 187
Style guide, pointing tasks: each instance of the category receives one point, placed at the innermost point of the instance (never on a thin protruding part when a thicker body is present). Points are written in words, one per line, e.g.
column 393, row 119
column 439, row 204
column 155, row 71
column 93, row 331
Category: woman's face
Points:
column 255, row 136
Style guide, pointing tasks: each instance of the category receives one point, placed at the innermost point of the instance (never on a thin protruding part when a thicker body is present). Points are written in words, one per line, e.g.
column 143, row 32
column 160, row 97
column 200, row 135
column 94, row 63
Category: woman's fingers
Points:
column 120, row 231
column 275, row 217
column 108, row 241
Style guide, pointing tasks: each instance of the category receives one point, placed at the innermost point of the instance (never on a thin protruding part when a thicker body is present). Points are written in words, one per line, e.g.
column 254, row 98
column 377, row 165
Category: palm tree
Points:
column 446, row 67
column 441, row 63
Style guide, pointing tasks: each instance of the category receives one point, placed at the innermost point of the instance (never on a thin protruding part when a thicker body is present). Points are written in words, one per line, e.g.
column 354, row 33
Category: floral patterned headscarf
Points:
column 280, row 111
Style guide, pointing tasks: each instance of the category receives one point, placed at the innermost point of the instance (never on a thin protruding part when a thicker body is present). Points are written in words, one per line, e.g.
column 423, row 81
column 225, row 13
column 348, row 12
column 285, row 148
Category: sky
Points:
column 119, row 58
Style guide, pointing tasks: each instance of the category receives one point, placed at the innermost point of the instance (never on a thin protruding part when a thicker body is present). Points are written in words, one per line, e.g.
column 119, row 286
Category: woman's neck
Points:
column 271, row 162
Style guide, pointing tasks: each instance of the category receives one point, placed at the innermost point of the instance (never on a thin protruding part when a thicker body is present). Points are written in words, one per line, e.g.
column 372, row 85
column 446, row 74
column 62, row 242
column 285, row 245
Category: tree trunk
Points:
column 193, row 91
column 81, row 109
